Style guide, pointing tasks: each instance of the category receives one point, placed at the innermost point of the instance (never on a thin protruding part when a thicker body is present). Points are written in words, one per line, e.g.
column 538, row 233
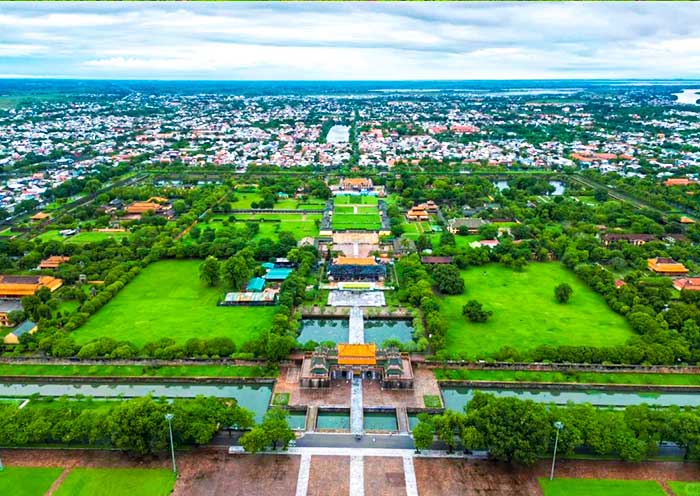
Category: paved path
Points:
column 357, row 475
column 303, row 477
column 356, row 411
column 357, row 326
column 348, row 441
column 409, row 475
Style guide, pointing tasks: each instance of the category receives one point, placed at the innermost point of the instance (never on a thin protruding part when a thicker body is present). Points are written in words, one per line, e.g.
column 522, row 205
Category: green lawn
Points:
column 243, row 200
column 600, row 487
column 344, row 216
column 136, row 370
column 113, row 482
column 270, row 224
column 82, row 237
column 525, row 313
column 27, row 481
column 355, row 200
column 685, row 488
column 657, row 379
column 168, row 300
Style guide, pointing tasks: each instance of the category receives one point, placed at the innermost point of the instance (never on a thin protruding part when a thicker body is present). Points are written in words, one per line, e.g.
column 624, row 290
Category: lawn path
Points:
column 57, row 483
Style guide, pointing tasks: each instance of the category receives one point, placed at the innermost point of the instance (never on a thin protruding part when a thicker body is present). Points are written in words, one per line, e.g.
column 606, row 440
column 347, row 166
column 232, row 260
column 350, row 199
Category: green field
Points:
column 685, row 488
column 117, row 481
column 168, row 300
column 270, row 224
column 366, row 218
column 243, row 200
column 525, row 313
column 600, row 487
column 355, row 200
column 27, row 481
column 82, row 237
column 656, row 379
column 137, row 370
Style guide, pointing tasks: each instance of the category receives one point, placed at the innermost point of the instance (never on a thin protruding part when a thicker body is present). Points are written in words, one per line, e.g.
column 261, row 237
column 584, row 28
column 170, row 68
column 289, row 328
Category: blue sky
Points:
column 377, row 41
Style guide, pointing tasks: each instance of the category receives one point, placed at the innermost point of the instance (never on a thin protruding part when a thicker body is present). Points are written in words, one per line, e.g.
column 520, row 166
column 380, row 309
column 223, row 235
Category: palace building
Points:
column 356, row 269
column 391, row 368
column 20, row 286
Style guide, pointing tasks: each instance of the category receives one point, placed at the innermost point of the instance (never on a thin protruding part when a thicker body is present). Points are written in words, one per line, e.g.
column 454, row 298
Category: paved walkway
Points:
column 357, row 475
column 409, row 475
column 303, row 477
column 357, row 326
column 356, row 409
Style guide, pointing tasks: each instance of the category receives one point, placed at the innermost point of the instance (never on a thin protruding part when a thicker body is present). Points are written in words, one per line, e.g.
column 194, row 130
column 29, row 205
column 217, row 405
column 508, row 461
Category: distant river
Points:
column 338, row 134
column 688, row 97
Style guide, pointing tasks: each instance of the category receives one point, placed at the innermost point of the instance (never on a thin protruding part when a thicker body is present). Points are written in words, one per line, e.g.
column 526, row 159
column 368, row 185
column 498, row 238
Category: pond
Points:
column 320, row 330
column 558, row 187
column 297, row 420
column 380, row 421
column 253, row 397
column 457, row 398
column 338, row 134
column 412, row 421
column 688, row 97
column 378, row 331
column 336, row 421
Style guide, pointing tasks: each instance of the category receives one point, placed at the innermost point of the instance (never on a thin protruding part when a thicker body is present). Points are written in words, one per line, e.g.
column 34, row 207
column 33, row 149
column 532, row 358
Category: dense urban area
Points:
column 350, row 288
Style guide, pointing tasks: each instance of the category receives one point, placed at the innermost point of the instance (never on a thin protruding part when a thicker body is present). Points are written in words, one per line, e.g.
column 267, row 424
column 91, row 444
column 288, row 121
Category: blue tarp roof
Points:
column 277, row 274
column 268, row 265
column 23, row 328
column 256, row 284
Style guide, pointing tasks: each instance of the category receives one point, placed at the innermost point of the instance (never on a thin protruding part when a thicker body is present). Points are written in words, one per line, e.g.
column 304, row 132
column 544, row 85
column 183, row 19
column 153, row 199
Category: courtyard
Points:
column 525, row 313
column 167, row 300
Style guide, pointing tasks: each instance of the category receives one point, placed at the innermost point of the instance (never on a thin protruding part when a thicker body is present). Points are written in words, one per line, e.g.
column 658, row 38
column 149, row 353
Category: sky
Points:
column 350, row 41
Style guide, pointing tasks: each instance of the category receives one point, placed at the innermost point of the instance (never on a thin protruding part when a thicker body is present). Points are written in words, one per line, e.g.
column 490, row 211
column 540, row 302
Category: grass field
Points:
column 355, row 200
column 600, row 487
column 243, row 200
column 270, row 224
column 685, row 488
column 27, row 481
column 82, row 237
column 136, row 370
column 168, row 300
column 114, row 482
column 525, row 313
column 656, row 379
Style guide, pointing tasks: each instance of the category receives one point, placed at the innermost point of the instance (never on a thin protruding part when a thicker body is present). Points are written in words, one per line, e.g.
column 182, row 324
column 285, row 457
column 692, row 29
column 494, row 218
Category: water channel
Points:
column 457, row 398
column 255, row 398
column 337, row 330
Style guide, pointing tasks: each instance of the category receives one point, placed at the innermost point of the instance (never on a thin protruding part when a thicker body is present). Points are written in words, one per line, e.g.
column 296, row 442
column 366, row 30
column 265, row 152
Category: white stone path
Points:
column 357, row 421
column 409, row 475
column 357, row 475
column 357, row 326
column 303, row 477
column 357, row 467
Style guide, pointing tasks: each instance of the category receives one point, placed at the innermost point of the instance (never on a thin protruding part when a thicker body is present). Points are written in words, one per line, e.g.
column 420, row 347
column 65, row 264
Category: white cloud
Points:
column 351, row 40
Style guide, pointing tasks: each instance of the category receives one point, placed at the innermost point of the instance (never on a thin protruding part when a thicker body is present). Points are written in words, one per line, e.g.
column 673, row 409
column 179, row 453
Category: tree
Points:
column 235, row 272
column 276, row 426
column 423, row 434
column 209, row 271
column 513, row 430
column 255, row 440
column 138, row 426
column 600, row 195
column 448, row 280
column 475, row 312
column 563, row 292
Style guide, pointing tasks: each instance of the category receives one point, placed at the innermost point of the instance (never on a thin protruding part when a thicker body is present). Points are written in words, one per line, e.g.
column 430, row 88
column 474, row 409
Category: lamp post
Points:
column 558, row 426
column 169, row 418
